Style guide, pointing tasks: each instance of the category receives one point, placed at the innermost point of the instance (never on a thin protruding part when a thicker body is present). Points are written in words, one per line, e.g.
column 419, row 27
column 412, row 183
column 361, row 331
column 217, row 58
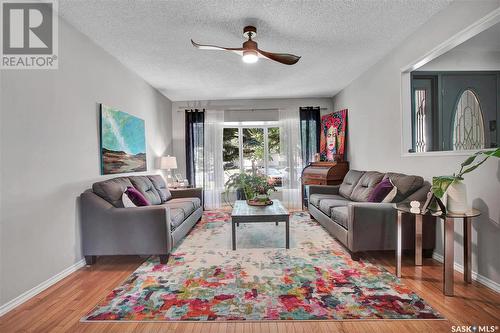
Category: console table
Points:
column 449, row 223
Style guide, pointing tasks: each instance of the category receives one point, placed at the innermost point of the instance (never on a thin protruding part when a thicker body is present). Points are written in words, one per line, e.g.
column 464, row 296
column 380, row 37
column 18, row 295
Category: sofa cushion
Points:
column 136, row 197
column 315, row 198
column 145, row 186
column 391, row 195
column 365, row 186
column 127, row 203
column 195, row 202
column 176, row 218
column 184, row 205
column 112, row 190
column 339, row 215
column 381, row 191
column 351, row 179
column 326, row 205
column 161, row 187
column 406, row 184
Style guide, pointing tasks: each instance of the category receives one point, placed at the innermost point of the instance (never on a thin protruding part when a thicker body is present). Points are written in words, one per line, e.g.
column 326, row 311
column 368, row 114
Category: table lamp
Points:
column 168, row 163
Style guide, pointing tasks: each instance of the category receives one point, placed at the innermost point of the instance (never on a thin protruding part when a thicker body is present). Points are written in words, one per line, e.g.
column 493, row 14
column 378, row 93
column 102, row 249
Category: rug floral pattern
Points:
column 205, row 280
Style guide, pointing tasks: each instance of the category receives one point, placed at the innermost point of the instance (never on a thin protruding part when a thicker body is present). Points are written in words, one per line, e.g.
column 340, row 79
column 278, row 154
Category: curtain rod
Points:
column 182, row 109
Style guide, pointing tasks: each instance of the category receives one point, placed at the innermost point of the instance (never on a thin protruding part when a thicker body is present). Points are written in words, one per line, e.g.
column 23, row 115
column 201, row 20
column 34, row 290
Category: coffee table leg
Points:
column 287, row 225
column 467, row 249
column 276, row 222
column 418, row 240
column 233, row 224
column 398, row 244
column 448, row 256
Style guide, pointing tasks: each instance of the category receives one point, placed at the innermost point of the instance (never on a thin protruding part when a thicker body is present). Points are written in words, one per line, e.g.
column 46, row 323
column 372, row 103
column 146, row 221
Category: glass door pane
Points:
column 253, row 150
column 231, row 152
column 274, row 169
column 198, row 133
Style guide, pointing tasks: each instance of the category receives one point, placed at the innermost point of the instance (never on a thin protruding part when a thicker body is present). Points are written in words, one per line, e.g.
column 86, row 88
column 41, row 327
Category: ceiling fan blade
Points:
column 284, row 58
column 217, row 48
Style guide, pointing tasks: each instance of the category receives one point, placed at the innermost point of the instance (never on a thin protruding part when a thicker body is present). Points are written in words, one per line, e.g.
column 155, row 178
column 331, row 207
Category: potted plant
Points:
column 253, row 187
column 453, row 185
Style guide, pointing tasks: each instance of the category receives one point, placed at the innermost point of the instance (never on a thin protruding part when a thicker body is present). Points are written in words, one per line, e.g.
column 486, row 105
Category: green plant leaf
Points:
column 475, row 166
column 440, row 185
column 469, row 160
column 494, row 153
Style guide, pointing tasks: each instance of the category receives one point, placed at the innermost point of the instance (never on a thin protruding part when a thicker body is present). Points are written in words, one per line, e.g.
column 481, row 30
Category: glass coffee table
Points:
column 244, row 213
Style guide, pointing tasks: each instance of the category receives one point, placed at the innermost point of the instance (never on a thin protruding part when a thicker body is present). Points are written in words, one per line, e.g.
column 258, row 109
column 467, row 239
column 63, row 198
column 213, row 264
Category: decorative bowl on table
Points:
column 260, row 201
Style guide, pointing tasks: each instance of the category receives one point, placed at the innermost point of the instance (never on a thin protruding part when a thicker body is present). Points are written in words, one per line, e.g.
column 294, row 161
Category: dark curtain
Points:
column 194, row 145
column 310, row 127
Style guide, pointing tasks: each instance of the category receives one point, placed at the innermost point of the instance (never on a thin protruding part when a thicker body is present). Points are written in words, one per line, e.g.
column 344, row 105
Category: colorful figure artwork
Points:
column 332, row 140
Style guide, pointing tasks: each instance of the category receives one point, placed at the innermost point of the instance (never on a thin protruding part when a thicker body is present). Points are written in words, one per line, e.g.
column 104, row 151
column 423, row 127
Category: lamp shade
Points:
column 168, row 162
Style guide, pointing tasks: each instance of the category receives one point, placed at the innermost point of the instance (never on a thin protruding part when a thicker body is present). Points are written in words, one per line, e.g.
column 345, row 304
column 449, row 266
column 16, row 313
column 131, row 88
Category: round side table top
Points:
column 406, row 208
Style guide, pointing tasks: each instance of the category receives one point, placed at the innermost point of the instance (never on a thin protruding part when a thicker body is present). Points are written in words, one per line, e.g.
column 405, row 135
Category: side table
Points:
column 449, row 224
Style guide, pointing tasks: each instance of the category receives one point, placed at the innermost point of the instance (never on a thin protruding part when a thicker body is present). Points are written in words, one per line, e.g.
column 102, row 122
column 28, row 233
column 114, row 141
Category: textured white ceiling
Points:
column 337, row 40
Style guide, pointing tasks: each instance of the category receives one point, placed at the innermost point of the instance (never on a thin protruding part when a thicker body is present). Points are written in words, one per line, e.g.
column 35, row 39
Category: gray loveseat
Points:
column 110, row 229
column 365, row 226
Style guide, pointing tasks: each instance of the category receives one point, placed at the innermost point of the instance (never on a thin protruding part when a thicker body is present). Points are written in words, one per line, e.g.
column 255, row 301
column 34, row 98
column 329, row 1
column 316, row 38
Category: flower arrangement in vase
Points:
column 453, row 185
column 254, row 188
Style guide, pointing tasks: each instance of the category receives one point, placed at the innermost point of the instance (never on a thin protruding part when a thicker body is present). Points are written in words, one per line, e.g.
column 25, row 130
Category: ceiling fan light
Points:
column 250, row 57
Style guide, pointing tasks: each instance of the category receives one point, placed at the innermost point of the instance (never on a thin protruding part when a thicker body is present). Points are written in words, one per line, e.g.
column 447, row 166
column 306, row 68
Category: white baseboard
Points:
column 10, row 305
column 475, row 276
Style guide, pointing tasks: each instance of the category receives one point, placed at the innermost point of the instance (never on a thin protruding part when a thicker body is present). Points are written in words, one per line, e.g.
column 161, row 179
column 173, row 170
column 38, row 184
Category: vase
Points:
column 456, row 198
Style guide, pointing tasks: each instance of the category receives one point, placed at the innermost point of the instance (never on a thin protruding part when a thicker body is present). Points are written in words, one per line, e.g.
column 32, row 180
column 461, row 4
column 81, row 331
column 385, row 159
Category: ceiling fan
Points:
column 250, row 52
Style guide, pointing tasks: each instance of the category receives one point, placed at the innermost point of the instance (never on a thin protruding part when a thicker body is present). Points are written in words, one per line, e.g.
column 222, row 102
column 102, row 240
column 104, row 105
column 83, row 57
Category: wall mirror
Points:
column 453, row 99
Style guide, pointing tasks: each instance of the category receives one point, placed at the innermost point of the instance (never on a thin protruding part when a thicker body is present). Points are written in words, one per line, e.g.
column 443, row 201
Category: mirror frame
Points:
column 406, row 131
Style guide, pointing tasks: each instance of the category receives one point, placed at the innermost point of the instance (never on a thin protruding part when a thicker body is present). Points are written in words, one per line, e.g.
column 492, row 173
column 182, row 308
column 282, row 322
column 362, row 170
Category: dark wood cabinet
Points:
column 323, row 173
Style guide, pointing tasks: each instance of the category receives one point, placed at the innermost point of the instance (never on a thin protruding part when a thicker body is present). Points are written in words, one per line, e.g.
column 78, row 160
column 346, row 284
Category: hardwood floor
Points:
column 59, row 308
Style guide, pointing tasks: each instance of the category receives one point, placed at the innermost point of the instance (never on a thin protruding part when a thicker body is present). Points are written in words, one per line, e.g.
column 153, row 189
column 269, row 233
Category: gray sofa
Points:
column 365, row 226
column 108, row 228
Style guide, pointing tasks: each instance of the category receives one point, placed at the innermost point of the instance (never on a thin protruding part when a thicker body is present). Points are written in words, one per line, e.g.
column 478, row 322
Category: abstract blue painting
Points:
column 123, row 142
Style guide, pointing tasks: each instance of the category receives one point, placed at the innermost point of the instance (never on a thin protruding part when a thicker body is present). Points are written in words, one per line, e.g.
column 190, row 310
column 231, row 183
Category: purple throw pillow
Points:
column 381, row 190
column 137, row 197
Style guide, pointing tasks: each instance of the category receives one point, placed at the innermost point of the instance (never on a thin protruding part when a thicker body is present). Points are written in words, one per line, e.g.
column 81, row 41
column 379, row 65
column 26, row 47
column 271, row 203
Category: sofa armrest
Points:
column 370, row 224
column 134, row 230
column 369, row 212
column 371, row 206
column 188, row 193
column 420, row 194
column 324, row 189
column 142, row 214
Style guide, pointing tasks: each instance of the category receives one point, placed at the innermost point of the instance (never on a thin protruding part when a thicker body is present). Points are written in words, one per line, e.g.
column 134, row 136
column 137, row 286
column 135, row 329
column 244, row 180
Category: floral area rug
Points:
column 205, row 280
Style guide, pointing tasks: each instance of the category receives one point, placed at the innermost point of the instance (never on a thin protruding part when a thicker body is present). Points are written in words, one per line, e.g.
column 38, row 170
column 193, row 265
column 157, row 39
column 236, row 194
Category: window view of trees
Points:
column 231, row 152
column 250, row 154
column 253, row 149
column 274, row 169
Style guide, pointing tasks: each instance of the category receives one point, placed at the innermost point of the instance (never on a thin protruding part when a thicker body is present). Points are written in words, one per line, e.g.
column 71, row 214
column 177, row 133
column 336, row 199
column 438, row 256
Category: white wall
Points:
column 374, row 133
column 50, row 153
column 178, row 119
column 460, row 60
column 1, row 201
